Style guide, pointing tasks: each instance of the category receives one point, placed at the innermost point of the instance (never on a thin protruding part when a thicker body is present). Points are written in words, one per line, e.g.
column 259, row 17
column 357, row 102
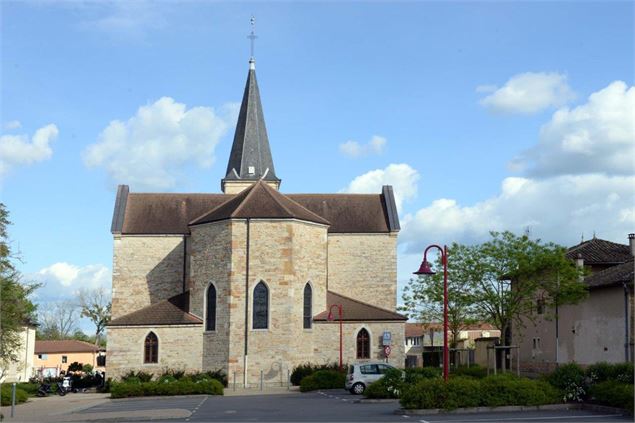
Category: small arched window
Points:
column 210, row 312
column 308, row 305
column 363, row 344
column 261, row 306
column 151, row 349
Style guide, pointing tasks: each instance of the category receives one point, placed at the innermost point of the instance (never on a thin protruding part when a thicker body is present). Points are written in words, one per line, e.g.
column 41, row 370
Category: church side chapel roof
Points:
column 355, row 310
column 600, row 251
column 260, row 201
column 173, row 311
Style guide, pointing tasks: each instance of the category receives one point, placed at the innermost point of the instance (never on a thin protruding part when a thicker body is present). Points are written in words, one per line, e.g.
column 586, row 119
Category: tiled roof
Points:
column 354, row 310
column 173, row 311
column 259, row 201
column 600, row 251
column 64, row 346
column 153, row 214
column 613, row 276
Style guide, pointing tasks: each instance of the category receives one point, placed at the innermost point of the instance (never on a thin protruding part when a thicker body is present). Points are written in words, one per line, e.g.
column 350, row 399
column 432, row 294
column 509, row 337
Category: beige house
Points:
column 53, row 357
column 22, row 369
column 252, row 280
column 599, row 328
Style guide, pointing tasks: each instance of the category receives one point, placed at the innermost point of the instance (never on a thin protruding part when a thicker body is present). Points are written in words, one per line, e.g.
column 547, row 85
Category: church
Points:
column 253, row 281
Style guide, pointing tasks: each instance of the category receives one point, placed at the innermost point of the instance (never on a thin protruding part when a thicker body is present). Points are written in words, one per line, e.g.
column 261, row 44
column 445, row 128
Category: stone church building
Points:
column 245, row 280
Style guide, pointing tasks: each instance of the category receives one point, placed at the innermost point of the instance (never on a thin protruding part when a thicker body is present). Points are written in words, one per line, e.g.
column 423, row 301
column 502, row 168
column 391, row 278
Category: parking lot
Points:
column 326, row 406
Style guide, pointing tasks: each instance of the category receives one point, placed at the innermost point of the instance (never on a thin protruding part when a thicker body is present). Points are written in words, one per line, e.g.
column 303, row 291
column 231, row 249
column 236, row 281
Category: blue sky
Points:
column 483, row 115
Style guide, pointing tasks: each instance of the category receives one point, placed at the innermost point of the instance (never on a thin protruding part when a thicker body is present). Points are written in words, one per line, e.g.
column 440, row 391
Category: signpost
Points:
column 387, row 339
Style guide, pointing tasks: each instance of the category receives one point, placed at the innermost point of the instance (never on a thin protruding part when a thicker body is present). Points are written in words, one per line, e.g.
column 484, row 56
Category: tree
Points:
column 95, row 304
column 16, row 309
column 423, row 297
column 511, row 272
column 58, row 320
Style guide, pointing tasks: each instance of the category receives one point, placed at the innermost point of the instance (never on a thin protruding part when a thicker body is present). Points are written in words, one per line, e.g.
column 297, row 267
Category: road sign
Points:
column 387, row 350
column 387, row 338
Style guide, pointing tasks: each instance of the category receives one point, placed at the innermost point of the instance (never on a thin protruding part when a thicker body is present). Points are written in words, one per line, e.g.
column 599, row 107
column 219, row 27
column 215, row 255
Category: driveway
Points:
column 327, row 406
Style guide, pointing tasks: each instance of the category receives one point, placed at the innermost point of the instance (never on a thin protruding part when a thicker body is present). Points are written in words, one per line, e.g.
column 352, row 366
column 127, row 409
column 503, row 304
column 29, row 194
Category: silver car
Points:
column 361, row 375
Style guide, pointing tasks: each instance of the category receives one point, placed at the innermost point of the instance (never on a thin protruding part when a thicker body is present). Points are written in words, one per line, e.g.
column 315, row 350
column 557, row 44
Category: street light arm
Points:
column 442, row 250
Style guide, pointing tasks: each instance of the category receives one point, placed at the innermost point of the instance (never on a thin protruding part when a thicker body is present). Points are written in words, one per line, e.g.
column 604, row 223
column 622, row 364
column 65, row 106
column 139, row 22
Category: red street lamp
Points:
column 425, row 269
column 340, row 310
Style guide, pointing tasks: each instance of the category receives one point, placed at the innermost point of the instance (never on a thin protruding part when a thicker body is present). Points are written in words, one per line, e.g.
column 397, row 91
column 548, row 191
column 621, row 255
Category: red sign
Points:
column 387, row 350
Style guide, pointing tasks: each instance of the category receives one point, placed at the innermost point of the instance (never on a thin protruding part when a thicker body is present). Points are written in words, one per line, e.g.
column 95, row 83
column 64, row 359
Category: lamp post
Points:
column 330, row 317
column 425, row 269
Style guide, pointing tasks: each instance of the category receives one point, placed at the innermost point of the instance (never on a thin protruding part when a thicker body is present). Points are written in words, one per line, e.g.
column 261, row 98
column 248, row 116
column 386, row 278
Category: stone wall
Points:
column 364, row 267
column 180, row 347
column 146, row 270
column 326, row 342
column 235, row 187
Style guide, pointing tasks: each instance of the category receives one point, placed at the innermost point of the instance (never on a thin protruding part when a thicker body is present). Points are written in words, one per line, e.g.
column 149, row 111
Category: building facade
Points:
column 21, row 370
column 598, row 328
column 252, row 281
column 52, row 358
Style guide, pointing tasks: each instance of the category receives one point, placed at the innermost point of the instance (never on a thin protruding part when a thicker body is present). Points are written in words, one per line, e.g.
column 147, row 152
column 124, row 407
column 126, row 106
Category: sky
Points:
column 483, row 116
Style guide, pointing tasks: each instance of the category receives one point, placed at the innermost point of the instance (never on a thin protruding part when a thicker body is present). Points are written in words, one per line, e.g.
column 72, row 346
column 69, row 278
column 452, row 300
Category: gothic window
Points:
column 261, row 306
column 363, row 344
column 151, row 349
column 210, row 312
column 308, row 299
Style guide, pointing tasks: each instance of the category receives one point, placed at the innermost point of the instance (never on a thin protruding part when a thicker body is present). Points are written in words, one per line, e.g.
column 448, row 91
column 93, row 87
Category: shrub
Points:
column 614, row 394
column 389, row 386
column 571, row 380
column 415, row 374
column 5, row 395
column 601, row 372
column 307, row 369
column 29, row 388
column 87, row 368
column 75, row 367
column 178, row 387
column 136, row 377
column 323, row 379
column 474, row 371
column 490, row 391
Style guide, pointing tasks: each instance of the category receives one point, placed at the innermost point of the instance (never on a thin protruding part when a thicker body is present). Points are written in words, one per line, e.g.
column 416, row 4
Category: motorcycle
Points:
column 45, row 389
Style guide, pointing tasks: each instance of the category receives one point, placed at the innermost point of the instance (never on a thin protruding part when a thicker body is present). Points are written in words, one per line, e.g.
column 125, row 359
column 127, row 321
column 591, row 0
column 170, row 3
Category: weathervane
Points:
column 252, row 37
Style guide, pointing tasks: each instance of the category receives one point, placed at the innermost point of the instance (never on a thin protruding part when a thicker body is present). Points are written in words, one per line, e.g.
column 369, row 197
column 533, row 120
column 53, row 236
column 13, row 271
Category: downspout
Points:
column 626, row 340
column 245, row 361
column 184, row 262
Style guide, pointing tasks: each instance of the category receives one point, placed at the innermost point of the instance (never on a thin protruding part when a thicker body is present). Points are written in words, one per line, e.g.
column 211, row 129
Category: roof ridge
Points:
column 363, row 303
column 251, row 190
column 277, row 200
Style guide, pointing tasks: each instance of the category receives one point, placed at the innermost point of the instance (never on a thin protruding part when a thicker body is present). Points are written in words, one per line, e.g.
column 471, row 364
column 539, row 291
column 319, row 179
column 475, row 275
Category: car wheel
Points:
column 358, row 388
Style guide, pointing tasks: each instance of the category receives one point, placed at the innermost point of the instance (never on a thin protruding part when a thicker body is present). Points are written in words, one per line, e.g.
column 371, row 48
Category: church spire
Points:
column 250, row 157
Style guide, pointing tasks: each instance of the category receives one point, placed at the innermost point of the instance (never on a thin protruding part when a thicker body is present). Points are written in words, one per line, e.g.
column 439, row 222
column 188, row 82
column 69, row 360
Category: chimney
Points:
column 631, row 243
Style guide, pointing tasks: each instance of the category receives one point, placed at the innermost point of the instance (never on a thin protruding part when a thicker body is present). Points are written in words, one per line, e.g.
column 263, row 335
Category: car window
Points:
column 383, row 368
column 369, row 369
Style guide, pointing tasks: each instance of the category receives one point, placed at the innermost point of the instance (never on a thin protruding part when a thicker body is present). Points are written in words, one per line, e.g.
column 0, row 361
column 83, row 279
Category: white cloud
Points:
column 528, row 93
column 557, row 209
column 598, row 136
column 12, row 124
column 17, row 150
column 402, row 177
column 149, row 150
column 63, row 280
column 354, row 149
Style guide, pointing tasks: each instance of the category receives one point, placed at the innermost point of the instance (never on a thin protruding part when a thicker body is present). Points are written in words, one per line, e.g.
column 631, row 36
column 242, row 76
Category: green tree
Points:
column 423, row 296
column 512, row 272
column 95, row 304
column 16, row 309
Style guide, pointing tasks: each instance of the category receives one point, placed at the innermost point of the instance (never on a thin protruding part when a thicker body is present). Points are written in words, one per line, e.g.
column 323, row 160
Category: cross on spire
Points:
column 252, row 37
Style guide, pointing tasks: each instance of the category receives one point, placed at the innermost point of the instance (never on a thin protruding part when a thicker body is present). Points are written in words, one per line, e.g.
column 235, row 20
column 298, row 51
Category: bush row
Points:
column 307, row 369
column 614, row 394
column 169, row 375
column 576, row 382
column 5, row 395
column 323, row 379
column 180, row 387
column 491, row 391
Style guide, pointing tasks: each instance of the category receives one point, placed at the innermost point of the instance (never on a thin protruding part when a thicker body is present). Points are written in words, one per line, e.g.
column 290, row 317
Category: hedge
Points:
column 307, row 369
column 614, row 394
column 323, row 379
column 180, row 387
column 571, row 380
column 490, row 391
column 601, row 372
column 5, row 395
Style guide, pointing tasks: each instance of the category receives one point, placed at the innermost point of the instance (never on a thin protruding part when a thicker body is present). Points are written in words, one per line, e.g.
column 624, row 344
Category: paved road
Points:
column 330, row 406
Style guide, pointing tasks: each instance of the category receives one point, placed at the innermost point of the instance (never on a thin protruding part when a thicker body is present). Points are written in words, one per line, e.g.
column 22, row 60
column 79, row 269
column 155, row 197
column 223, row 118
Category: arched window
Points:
column 261, row 306
column 210, row 312
column 308, row 305
column 363, row 344
column 151, row 349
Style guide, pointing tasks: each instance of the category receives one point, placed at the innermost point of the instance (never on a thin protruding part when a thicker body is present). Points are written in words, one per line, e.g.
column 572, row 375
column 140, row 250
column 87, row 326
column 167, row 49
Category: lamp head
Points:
column 425, row 269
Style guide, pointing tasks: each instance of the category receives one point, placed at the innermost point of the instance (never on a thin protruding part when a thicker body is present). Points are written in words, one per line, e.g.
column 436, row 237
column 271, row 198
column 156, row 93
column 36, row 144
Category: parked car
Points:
column 361, row 375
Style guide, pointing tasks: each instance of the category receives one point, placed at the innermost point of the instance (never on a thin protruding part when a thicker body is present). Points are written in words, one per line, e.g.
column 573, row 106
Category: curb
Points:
column 157, row 397
column 513, row 408
column 375, row 401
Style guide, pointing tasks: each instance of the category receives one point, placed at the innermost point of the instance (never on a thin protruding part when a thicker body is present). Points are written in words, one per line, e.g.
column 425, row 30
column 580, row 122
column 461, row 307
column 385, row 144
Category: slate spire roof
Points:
column 259, row 201
column 250, row 157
